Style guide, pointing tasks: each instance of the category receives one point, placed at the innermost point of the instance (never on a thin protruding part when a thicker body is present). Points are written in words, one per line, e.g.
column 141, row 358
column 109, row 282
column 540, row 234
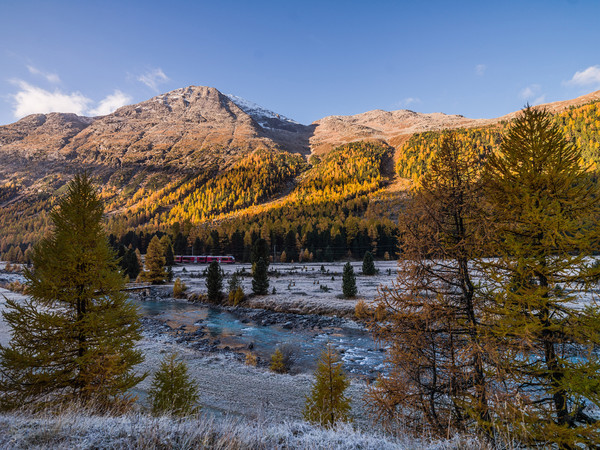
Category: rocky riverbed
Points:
column 245, row 332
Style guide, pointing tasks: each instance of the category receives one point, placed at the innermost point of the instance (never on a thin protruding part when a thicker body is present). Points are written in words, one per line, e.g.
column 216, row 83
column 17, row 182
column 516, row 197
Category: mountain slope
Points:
column 289, row 134
column 188, row 132
column 378, row 125
column 395, row 127
column 200, row 160
column 42, row 132
column 29, row 148
column 579, row 119
column 185, row 129
column 555, row 107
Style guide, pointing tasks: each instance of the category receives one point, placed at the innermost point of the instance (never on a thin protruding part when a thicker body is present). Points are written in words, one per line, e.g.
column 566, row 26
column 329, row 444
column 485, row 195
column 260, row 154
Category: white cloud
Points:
column 530, row 91
column 533, row 94
column 110, row 103
column 408, row 101
column 587, row 77
column 35, row 100
column 32, row 99
column 153, row 78
column 51, row 77
column 480, row 69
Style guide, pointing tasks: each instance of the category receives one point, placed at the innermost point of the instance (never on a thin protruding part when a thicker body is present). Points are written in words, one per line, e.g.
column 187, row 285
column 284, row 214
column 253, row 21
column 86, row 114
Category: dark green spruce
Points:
column 368, row 265
column 214, row 282
column 349, row 281
column 260, row 278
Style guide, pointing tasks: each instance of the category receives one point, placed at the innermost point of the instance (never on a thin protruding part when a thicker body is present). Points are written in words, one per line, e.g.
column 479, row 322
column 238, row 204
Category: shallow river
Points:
column 359, row 352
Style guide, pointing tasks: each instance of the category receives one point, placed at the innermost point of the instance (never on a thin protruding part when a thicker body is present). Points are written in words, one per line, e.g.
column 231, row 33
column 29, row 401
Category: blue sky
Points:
column 305, row 60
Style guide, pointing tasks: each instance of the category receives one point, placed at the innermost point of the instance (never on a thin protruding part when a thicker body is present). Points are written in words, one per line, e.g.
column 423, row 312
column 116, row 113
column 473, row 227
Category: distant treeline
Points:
column 298, row 243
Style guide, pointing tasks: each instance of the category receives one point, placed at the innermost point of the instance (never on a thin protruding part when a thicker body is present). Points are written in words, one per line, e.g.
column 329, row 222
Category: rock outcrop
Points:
column 392, row 127
column 41, row 135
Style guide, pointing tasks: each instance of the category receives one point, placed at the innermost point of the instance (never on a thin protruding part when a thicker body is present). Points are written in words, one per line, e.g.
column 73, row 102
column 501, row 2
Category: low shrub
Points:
column 179, row 289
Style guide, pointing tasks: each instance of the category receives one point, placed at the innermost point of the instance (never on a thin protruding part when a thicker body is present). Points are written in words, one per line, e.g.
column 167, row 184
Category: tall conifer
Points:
column 432, row 318
column 131, row 264
column 349, row 281
column 214, row 282
column 544, row 209
column 368, row 265
column 155, row 262
column 74, row 337
column 260, row 249
column 260, row 278
column 168, row 248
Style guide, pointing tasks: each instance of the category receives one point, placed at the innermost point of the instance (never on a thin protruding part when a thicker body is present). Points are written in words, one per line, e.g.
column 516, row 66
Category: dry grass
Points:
column 77, row 428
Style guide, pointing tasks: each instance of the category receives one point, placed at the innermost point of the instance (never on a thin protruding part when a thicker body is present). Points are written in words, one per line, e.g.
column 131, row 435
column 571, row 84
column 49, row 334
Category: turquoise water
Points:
column 228, row 329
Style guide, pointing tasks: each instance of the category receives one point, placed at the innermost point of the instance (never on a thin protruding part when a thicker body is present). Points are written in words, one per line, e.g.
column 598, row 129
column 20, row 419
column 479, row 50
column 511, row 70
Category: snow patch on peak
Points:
column 258, row 113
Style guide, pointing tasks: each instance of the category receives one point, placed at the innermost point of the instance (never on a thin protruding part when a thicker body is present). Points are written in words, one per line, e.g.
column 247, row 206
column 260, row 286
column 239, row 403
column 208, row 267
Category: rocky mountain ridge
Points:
column 198, row 128
column 181, row 128
column 392, row 127
column 42, row 133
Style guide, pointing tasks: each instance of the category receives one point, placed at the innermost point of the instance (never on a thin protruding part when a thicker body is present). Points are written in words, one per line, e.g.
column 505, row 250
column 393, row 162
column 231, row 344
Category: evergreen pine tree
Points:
column 260, row 249
column 327, row 404
column 197, row 247
column 74, row 337
column 544, row 215
column 132, row 264
column 368, row 266
column 169, row 257
column 260, row 278
column 180, row 244
column 168, row 248
column 172, row 391
column 349, row 281
column 121, row 250
column 155, row 262
column 214, row 282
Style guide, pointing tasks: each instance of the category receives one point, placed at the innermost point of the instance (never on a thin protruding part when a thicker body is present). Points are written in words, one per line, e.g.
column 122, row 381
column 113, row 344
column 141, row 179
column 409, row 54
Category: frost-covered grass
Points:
column 305, row 288
column 4, row 329
column 77, row 429
column 300, row 287
column 300, row 279
column 7, row 277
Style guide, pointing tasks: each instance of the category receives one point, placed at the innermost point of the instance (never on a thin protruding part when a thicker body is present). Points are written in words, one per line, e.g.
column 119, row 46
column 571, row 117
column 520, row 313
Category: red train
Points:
column 204, row 259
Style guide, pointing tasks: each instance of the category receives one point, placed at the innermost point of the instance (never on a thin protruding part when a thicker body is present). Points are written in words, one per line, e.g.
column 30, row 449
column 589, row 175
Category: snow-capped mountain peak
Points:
column 264, row 117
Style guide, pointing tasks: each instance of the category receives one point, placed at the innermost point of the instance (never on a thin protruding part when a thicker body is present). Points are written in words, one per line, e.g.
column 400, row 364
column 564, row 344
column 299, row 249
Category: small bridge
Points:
column 136, row 287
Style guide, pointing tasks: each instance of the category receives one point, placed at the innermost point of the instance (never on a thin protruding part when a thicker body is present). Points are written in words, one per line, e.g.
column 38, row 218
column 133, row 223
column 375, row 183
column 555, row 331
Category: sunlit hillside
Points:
column 327, row 207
